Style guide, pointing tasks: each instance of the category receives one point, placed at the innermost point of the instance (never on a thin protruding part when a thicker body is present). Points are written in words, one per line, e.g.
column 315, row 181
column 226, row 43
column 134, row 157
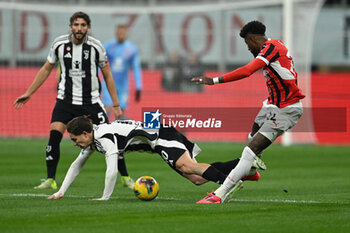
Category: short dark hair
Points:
column 79, row 124
column 253, row 27
column 122, row 26
column 82, row 15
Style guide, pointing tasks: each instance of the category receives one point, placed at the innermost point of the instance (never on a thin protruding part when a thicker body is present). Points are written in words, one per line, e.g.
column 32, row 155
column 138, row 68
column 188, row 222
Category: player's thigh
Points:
column 259, row 119
column 278, row 121
column 62, row 112
column 96, row 113
column 170, row 155
column 185, row 163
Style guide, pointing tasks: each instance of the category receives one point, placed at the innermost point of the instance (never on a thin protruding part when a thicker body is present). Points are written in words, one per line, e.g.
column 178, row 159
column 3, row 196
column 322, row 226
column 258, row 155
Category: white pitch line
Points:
column 74, row 196
column 285, row 201
column 178, row 199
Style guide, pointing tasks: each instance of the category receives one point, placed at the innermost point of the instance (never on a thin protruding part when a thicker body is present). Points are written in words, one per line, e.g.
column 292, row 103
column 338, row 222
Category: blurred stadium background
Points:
column 317, row 32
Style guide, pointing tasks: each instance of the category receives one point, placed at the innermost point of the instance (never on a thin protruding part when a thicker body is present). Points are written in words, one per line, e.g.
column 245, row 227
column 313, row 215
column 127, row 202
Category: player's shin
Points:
column 53, row 153
column 214, row 175
column 225, row 167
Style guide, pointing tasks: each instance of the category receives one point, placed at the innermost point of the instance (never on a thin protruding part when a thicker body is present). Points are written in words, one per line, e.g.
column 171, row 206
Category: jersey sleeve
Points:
column 111, row 175
column 244, row 71
column 102, row 55
column 75, row 169
column 52, row 56
column 109, row 146
column 268, row 53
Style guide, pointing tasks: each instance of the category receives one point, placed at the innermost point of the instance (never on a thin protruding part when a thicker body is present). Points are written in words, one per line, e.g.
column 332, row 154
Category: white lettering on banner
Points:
column 192, row 123
column 188, row 32
column 26, row 28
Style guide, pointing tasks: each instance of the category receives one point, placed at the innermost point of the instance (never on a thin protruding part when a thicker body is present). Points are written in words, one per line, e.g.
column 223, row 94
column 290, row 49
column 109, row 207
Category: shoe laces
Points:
column 210, row 195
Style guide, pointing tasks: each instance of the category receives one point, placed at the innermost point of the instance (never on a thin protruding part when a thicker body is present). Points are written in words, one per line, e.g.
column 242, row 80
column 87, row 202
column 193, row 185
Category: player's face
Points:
column 83, row 140
column 79, row 28
column 253, row 45
column 121, row 34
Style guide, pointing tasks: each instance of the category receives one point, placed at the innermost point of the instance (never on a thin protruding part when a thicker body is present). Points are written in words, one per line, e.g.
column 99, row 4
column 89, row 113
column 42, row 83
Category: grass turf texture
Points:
column 305, row 189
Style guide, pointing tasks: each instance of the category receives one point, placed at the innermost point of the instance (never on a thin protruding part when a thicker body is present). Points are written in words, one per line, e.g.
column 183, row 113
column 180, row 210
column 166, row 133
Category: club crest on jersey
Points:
column 151, row 120
column 86, row 54
column 68, row 48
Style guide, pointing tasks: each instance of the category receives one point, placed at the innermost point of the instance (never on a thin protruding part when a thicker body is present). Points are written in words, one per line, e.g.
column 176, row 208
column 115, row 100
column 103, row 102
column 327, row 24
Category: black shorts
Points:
column 171, row 145
column 64, row 112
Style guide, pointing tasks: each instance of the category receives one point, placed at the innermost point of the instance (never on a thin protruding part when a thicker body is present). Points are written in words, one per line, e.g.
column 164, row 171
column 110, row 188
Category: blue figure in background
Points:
column 122, row 56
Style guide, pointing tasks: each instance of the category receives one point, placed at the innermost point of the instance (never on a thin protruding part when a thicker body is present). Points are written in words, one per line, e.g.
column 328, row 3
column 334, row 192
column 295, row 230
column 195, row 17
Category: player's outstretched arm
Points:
column 240, row 73
column 39, row 79
column 111, row 176
column 203, row 80
column 72, row 172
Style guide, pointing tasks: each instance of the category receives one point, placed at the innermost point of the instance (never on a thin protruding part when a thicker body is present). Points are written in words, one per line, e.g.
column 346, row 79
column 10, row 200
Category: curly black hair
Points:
column 253, row 27
column 82, row 15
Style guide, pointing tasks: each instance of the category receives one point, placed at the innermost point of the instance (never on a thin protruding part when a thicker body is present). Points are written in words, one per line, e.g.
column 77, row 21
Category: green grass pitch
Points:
column 305, row 189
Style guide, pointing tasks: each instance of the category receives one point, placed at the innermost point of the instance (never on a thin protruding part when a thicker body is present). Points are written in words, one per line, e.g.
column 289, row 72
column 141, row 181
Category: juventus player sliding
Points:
column 280, row 112
column 79, row 56
column 120, row 137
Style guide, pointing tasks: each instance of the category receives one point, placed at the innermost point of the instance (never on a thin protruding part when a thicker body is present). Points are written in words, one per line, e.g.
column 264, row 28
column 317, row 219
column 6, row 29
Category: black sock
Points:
column 53, row 153
column 226, row 167
column 122, row 166
column 214, row 174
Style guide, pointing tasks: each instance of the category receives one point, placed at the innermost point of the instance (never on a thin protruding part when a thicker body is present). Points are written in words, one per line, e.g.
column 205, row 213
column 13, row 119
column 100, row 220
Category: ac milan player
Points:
column 280, row 112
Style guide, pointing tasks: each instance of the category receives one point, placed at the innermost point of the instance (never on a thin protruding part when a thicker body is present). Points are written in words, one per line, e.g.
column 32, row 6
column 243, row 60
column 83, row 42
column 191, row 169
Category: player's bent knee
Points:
column 259, row 143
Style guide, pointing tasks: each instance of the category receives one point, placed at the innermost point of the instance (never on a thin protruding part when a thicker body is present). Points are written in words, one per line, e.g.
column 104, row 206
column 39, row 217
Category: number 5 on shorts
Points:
column 101, row 116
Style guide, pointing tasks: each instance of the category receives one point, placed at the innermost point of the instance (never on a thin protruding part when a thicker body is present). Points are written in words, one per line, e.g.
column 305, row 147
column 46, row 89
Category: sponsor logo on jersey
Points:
column 68, row 55
column 76, row 64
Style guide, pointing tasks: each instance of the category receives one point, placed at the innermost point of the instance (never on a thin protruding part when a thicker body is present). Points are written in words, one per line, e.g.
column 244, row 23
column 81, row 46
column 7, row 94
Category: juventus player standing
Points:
column 79, row 56
column 280, row 112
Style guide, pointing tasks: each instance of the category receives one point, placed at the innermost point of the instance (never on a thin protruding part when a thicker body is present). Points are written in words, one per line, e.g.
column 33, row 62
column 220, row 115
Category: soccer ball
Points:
column 146, row 188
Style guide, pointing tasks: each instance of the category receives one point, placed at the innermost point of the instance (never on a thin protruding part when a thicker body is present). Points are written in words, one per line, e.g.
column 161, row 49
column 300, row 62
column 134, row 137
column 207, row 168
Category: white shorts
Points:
column 274, row 121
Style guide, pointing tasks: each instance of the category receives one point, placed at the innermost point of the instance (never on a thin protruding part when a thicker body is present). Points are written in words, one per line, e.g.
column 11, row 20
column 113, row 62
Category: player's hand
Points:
column 203, row 80
column 20, row 101
column 118, row 112
column 138, row 95
column 55, row 196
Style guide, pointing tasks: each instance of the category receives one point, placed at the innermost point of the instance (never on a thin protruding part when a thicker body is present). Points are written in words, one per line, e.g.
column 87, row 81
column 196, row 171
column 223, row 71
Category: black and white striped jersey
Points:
column 124, row 136
column 79, row 83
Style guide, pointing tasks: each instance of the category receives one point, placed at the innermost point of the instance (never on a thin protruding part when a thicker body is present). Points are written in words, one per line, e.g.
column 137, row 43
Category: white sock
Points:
column 242, row 169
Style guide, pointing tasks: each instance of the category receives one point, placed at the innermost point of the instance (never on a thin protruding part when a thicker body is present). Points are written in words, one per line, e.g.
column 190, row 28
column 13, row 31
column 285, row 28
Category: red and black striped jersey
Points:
column 280, row 75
